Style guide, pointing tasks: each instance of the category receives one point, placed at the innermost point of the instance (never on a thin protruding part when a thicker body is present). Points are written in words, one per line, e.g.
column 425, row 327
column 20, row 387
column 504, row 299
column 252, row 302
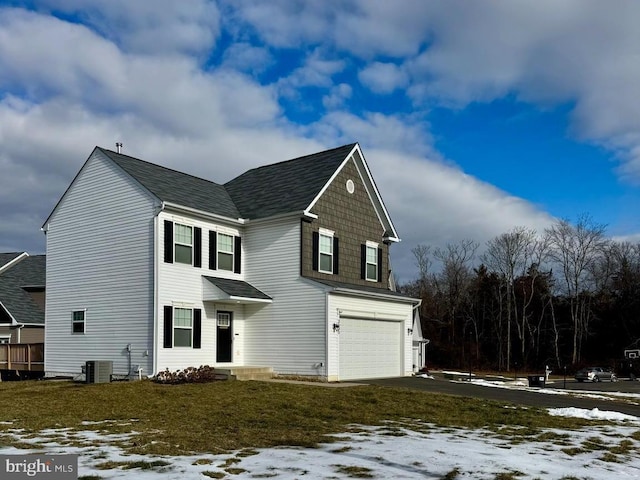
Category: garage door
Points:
column 370, row 349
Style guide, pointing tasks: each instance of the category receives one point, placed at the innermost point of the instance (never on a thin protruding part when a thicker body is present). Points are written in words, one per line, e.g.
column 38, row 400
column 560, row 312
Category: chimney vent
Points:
column 118, row 146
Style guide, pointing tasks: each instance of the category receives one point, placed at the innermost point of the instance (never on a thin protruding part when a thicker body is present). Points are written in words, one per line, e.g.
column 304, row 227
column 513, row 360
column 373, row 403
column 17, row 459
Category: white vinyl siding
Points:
column 289, row 334
column 92, row 266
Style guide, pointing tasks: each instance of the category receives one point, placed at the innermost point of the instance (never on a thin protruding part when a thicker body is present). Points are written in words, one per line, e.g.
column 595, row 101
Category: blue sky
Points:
column 474, row 117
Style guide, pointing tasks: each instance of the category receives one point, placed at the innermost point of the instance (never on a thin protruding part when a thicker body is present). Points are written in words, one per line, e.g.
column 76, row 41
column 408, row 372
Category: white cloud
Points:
column 315, row 72
column 436, row 204
column 247, row 58
column 403, row 133
column 383, row 77
column 337, row 96
column 141, row 81
column 284, row 23
column 581, row 53
column 160, row 27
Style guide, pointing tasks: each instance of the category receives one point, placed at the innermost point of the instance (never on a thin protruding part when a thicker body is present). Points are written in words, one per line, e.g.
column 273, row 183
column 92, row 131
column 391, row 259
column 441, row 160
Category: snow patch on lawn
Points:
column 396, row 450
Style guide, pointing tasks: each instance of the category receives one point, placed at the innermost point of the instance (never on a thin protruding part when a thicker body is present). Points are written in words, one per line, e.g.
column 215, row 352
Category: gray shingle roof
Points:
column 29, row 272
column 287, row 186
column 237, row 288
column 284, row 187
column 361, row 288
column 177, row 187
column 7, row 257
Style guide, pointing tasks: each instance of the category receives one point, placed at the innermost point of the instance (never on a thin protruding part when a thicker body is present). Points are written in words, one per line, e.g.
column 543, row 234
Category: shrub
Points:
column 203, row 374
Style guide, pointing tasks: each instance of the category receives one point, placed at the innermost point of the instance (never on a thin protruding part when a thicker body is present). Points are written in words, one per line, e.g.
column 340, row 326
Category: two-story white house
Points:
column 285, row 266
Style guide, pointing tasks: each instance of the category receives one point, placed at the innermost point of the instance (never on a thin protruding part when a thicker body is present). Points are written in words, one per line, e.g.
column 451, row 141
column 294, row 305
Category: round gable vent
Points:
column 351, row 187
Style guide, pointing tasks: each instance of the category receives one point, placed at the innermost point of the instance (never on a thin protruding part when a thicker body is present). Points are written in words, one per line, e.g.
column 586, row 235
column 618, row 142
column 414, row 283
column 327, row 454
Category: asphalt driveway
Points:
column 534, row 397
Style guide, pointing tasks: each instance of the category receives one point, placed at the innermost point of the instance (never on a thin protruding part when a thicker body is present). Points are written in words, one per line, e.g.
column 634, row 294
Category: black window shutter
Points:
column 237, row 252
column 197, row 327
column 197, row 247
column 168, row 326
column 213, row 250
column 315, row 250
column 168, row 241
column 363, row 262
column 336, row 250
column 379, row 264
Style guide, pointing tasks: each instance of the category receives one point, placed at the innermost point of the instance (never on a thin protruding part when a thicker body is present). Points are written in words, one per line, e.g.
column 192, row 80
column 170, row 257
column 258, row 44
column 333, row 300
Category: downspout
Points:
column 326, row 336
column 156, row 276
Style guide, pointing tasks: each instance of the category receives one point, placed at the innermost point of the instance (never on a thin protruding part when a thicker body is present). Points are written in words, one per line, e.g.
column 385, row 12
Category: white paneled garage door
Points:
column 370, row 348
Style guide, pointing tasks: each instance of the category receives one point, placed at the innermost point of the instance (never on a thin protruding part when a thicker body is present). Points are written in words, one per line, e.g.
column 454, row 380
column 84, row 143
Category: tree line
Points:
column 564, row 297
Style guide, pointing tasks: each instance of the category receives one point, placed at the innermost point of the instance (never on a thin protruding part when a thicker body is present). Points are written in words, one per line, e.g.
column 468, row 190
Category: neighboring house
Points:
column 22, row 297
column 285, row 266
column 419, row 344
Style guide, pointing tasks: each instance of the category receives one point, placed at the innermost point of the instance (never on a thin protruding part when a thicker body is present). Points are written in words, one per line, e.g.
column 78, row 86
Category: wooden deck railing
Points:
column 22, row 356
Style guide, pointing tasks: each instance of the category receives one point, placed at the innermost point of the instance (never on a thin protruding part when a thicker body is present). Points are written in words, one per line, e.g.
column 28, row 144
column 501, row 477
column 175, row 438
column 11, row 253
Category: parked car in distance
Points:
column 595, row 374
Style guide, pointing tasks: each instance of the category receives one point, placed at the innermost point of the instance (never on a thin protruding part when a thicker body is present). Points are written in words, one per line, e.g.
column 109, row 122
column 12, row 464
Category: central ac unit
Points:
column 98, row 371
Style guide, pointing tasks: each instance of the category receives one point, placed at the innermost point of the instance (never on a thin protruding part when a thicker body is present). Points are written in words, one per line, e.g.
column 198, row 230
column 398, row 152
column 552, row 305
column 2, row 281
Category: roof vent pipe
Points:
column 118, row 146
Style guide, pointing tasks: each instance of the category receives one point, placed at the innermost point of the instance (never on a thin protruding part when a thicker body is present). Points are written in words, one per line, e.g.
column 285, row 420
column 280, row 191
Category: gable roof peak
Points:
column 285, row 187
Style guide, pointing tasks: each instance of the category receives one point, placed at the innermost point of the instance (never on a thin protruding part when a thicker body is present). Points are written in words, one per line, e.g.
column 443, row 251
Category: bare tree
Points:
column 575, row 248
column 454, row 279
column 423, row 262
column 509, row 254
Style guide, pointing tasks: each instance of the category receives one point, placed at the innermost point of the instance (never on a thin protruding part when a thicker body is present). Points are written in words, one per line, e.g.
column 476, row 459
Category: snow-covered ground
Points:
column 418, row 450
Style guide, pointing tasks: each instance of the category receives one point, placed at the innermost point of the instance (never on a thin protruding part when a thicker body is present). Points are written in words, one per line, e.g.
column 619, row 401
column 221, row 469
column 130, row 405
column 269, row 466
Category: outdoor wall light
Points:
column 336, row 327
column 409, row 331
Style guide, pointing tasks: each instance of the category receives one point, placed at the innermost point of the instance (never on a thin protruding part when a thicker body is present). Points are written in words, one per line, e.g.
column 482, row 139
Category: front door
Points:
column 224, row 335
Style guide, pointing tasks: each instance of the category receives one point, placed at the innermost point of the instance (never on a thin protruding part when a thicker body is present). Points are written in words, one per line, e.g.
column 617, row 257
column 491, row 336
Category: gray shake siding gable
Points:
column 354, row 221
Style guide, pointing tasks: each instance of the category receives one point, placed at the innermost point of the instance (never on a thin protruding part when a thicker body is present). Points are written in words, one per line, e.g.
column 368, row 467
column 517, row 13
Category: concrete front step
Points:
column 247, row 373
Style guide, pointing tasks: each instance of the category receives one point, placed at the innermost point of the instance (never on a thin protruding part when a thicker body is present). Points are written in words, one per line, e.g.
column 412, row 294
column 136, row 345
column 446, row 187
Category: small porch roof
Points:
column 226, row 290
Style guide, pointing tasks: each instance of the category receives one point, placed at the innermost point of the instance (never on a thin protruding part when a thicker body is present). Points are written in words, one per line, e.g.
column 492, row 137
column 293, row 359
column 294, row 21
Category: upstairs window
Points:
column 326, row 253
column 225, row 252
column 183, row 243
column 78, row 321
column 372, row 263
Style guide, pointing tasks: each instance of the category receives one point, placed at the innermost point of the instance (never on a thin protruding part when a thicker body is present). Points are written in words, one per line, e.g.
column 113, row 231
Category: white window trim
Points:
column 3, row 338
column 181, row 327
column 225, row 252
column 375, row 246
column 323, row 232
column 84, row 321
column 176, row 242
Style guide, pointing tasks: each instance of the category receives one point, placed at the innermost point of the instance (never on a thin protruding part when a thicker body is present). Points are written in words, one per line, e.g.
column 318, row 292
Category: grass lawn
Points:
column 223, row 416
